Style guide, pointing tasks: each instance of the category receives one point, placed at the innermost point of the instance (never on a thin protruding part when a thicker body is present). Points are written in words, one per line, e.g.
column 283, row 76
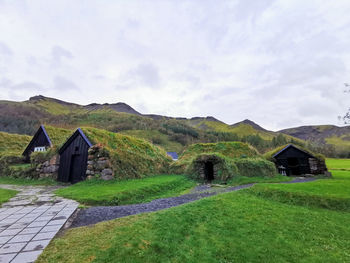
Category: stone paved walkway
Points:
column 30, row 220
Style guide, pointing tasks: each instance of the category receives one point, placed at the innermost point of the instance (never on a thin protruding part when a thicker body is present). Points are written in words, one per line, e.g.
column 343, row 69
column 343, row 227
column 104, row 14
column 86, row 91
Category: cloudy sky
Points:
column 280, row 63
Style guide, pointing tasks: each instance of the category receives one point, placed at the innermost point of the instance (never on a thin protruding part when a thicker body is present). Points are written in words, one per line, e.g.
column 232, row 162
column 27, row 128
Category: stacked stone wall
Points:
column 99, row 164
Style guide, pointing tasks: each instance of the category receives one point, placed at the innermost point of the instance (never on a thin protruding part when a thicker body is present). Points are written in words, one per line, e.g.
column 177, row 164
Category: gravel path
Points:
column 97, row 214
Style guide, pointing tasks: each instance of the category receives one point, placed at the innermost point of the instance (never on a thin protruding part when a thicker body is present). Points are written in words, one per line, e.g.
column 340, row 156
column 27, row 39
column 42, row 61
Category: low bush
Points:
column 255, row 167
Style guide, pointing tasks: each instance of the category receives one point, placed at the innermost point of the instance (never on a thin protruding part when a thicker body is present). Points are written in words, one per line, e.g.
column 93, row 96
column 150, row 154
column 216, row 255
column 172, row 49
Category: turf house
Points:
column 73, row 158
column 39, row 143
column 94, row 153
column 219, row 162
column 291, row 160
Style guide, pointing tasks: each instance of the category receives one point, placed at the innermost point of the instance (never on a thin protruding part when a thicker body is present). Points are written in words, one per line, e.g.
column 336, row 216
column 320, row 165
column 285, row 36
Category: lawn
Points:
column 333, row 193
column 27, row 181
column 97, row 192
column 232, row 227
column 243, row 226
column 6, row 194
column 240, row 180
column 338, row 164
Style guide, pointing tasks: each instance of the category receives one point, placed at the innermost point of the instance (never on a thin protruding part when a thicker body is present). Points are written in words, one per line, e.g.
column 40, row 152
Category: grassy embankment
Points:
column 332, row 193
column 232, row 227
column 97, row 192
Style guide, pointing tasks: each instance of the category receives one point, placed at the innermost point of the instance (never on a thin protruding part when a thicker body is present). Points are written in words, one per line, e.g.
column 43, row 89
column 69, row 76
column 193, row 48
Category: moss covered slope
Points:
column 13, row 144
column 131, row 157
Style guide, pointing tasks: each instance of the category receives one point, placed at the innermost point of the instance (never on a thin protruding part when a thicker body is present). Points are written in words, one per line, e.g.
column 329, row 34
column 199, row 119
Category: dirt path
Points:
column 97, row 214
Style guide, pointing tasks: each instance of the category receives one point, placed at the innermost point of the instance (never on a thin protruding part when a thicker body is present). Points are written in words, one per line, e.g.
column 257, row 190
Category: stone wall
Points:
column 99, row 164
column 318, row 167
column 49, row 169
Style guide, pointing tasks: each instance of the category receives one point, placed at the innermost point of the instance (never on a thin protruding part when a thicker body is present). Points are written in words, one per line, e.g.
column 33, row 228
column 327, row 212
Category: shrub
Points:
column 255, row 167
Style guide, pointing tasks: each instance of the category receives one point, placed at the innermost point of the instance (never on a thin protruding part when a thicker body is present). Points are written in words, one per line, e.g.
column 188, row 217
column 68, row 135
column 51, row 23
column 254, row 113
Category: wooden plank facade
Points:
column 294, row 160
column 40, row 139
column 73, row 158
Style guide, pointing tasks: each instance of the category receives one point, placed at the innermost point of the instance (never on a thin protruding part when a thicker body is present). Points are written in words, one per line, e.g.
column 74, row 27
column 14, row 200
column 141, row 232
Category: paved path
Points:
column 30, row 220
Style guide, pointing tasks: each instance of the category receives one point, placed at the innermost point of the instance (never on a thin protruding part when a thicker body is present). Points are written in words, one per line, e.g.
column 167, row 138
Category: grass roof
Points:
column 13, row 144
column 269, row 155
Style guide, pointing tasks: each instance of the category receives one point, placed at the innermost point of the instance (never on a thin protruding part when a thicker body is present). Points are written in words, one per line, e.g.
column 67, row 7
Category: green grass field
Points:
column 242, row 226
column 338, row 164
column 6, row 194
column 233, row 227
column 240, row 180
column 332, row 193
column 97, row 192
column 27, row 181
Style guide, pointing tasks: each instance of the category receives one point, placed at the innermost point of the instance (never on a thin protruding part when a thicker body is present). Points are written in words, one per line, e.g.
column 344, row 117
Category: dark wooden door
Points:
column 74, row 171
column 209, row 171
column 293, row 166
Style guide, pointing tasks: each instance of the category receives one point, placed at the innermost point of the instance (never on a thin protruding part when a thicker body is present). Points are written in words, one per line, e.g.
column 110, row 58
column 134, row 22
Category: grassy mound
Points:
column 13, row 144
column 229, row 159
column 58, row 136
column 224, row 168
column 96, row 192
column 332, row 194
column 232, row 227
column 131, row 157
column 228, row 149
column 255, row 167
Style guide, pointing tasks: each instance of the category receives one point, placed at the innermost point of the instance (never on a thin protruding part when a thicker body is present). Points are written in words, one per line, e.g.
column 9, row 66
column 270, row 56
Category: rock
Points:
column 46, row 163
column 328, row 174
column 90, row 167
column 89, row 177
column 90, row 157
column 54, row 160
column 107, row 177
column 107, row 174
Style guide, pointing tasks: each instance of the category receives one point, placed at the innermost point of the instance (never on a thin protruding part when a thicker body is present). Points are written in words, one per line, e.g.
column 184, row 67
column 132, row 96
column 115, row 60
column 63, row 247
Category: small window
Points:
column 40, row 149
column 76, row 148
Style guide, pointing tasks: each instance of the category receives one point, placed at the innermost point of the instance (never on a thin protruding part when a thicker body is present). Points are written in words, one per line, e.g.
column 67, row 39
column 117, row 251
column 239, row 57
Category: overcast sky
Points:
column 279, row 63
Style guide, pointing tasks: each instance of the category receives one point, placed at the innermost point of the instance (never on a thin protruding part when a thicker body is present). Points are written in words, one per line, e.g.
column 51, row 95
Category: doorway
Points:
column 209, row 171
column 74, row 171
column 293, row 166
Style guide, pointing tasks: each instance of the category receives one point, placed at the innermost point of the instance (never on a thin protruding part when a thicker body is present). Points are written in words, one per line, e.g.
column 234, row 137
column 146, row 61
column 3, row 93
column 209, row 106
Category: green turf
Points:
column 240, row 180
column 27, row 181
column 332, row 193
column 338, row 164
column 97, row 192
column 6, row 194
column 232, row 227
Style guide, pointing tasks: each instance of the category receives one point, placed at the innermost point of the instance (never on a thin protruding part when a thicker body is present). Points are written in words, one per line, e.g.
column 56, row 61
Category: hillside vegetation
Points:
column 173, row 134
column 13, row 144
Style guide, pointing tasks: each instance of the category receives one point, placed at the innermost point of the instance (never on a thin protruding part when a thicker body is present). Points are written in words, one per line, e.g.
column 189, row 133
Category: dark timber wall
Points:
column 73, row 158
column 40, row 139
column 294, row 160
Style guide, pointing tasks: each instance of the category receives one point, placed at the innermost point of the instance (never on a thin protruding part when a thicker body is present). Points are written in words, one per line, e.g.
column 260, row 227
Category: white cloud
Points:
column 280, row 63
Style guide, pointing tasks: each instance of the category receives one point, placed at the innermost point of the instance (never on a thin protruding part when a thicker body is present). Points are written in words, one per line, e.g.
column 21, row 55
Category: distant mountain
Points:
column 250, row 123
column 170, row 132
column 322, row 134
column 118, row 107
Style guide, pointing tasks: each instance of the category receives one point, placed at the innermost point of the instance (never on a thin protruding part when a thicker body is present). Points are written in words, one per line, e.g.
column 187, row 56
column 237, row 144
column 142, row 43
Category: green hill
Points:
column 173, row 134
